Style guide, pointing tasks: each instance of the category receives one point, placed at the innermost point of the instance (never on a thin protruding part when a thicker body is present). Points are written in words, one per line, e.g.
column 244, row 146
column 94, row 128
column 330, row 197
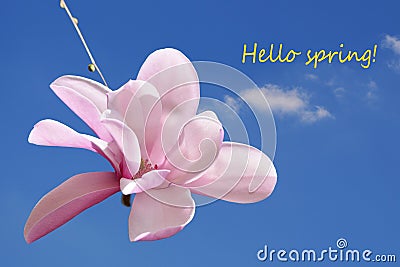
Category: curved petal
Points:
column 68, row 200
column 240, row 174
column 176, row 81
column 53, row 133
column 127, row 142
column 197, row 147
column 85, row 97
column 161, row 214
column 139, row 107
column 148, row 181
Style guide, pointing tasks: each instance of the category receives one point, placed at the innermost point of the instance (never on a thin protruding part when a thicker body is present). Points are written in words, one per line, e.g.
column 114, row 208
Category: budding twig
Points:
column 93, row 66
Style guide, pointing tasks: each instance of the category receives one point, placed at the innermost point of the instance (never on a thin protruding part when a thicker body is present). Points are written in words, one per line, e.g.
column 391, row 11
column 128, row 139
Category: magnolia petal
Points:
column 68, row 200
column 160, row 213
column 176, row 81
column 127, row 142
column 148, row 181
column 240, row 173
column 196, row 149
column 53, row 133
column 139, row 107
column 85, row 97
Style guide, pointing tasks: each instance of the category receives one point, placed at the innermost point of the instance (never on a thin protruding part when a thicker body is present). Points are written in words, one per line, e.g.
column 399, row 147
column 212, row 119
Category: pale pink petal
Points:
column 176, row 81
column 197, row 148
column 148, row 181
column 160, row 213
column 68, row 200
column 240, row 174
column 53, row 133
column 85, row 97
column 127, row 142
column 137, row 105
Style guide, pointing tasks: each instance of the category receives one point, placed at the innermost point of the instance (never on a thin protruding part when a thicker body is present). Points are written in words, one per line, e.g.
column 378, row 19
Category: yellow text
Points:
column 365, row 57
column 263, row 55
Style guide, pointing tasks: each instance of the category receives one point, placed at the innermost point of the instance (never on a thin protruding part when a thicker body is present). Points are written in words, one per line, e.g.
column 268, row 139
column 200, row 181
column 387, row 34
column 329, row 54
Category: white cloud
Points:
column 279, row 100
column 332, row 82
column 232, row 102
column 372, row 85
column 392, row 43
column 283, row 102
column 339, row 92
column 371, row 94
column 313, row 116
column 394, row 65
column 311, row 77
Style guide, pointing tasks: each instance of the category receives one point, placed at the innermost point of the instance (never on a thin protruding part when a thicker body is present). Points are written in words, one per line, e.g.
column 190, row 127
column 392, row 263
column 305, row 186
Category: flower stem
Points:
column 126, row 200
column 74, row 21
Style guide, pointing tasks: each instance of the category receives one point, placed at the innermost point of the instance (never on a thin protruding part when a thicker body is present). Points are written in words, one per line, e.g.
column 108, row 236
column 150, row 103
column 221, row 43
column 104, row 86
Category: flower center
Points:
column 145, row 167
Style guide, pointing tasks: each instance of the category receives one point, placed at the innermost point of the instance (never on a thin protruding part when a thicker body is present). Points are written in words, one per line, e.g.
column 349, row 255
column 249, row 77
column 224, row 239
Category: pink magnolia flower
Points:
column 160, row 149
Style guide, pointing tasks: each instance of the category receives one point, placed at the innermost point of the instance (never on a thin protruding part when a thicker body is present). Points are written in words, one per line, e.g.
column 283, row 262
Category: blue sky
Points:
column 337, row 172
